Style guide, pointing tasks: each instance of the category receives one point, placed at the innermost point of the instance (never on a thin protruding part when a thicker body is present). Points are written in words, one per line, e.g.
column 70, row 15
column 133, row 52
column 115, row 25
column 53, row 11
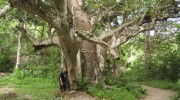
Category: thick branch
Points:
column 141, row 29
column 61, row 6
column 27, row 6
column 38, row 45
column 5, row 10
column 80, row 18
column 97, row 17
column 37, row 9
column 117, row 30
column 92, row 38
column 144, row 19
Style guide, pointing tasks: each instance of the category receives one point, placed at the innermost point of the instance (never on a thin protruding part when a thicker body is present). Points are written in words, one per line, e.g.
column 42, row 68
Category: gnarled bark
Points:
column 89, row 61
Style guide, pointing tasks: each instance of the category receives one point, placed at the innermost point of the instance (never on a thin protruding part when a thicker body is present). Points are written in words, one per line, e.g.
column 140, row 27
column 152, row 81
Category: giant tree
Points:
column 87, row 30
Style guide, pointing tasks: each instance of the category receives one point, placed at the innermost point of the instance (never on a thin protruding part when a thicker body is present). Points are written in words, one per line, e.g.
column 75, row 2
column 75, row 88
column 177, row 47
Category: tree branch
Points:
column 80, row 19
column 117, row 30
column 5, row 10
column 97, row 17
column 38, row 9
column 141, row 29
column 61, row 6
column 92, row 38
column 38, row 45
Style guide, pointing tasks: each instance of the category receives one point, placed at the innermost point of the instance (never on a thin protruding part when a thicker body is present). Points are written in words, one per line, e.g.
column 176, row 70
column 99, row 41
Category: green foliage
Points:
column 1, row 95
column 112, row 94
column 163, row 84
column 178, row 38
column 38, row 72
column 3, row 2
column 177, row 95
column 6, row 65
column 36, row 88
column 41, row 66
column 8, row 37
column 135, row 89
column 128, row 81
column 166, row 65
column 135, row 74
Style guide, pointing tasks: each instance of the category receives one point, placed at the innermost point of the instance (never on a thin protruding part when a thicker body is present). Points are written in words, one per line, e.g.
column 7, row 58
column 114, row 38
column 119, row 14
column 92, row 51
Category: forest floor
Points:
column 79, row 96
column 152, row 94
column 8, row 92
column 158, row 94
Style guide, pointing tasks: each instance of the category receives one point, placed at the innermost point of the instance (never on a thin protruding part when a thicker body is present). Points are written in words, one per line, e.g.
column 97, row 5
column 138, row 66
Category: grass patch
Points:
column 1, row 95
column 37, row 88
column 129, row 92
column 165, row 85
column 162, row 84
column 176, row 96
column 112, row 94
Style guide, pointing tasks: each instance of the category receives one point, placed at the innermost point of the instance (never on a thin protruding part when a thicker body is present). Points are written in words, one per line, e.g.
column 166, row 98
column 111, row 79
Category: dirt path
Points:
column 80, row 96
column 8, row 93
column 6, row 90
column 157, row 94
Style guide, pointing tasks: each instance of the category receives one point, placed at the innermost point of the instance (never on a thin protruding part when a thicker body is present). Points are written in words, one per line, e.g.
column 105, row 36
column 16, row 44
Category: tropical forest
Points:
column 89, row 49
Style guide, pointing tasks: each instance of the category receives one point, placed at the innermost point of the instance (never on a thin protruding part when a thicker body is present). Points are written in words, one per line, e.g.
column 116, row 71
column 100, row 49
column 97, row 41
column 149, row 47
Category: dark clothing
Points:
column 65, row 80
column 65, row 86
column 64, row 76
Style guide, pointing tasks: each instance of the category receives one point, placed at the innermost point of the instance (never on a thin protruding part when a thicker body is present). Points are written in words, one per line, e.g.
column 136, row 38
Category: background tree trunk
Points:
column 147, row 52
column 18, row 52
column 116, row 66
column 102, row 55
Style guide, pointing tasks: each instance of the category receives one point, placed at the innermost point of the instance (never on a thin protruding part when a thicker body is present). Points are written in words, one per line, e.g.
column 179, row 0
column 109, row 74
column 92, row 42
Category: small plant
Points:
column 163, row 84
column 114, row 93
column 136, row 89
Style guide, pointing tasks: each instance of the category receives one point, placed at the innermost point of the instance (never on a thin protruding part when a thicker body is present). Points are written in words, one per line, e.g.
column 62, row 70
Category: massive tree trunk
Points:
column 89, row 61
column 70, row 48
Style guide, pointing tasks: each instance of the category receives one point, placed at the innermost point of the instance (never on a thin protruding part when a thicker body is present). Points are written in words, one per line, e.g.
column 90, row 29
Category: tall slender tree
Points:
column 147, row 51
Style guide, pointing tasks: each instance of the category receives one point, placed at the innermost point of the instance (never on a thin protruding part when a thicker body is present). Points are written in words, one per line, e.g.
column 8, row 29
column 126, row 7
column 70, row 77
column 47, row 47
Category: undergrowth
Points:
column 37, row 88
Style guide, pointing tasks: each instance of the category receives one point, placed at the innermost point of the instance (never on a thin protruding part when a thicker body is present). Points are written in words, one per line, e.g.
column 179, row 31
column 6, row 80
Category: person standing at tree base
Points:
column 64, row 81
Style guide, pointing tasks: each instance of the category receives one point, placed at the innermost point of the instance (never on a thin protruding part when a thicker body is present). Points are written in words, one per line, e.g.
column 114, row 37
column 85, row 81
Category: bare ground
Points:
column 6, row 90
column 8, row 93
column 157, row 94
column 152, row 94
column 77, row 95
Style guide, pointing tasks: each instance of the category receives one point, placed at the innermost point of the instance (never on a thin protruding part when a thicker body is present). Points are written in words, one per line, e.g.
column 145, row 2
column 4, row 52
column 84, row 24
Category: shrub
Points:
column 166, row 65
column 113, row 94
column 136, row 89
column 7, row 65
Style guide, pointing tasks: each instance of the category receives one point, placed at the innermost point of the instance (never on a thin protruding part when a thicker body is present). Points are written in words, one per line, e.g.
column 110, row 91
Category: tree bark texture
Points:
column 147, row 51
